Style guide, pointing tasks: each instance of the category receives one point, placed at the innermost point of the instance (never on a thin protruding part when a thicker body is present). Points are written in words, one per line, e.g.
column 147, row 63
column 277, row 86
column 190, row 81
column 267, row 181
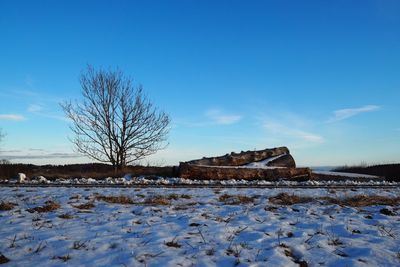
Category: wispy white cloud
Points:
column 293, row 133
column 41, row 156
column 342, row 114
column 218, row 117
column 12, row 117
column 53, row 116
column 42, row 111
column 35, row 108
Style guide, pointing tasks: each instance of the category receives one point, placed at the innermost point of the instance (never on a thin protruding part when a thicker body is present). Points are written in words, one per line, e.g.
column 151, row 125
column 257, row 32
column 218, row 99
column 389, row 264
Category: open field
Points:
column 199, row 227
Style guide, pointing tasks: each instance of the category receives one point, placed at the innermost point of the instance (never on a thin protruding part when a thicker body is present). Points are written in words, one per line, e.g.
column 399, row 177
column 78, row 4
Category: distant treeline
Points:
column 93, row 170
column 389, row 171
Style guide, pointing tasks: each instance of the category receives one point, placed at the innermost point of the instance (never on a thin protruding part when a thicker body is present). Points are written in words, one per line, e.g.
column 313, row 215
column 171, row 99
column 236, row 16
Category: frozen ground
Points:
column 195, row 227
column 351, row 179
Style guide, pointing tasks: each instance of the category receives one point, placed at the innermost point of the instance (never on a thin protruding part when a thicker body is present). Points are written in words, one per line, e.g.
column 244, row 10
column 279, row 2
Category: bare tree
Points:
column 115, row 122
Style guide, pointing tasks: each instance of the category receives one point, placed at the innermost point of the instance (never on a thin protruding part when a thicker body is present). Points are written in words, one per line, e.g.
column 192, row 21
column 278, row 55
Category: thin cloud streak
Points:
column 35, row 108
column 12, row 117
column 42, row 156
column 281, row 129
column 221, row 118
column 40, row 110
column 214, row 117
column 342, row 114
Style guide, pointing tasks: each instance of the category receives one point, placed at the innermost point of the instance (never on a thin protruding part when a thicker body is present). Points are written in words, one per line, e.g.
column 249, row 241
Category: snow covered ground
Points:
column 263, row 163
column 352, row 179
column 195, row 227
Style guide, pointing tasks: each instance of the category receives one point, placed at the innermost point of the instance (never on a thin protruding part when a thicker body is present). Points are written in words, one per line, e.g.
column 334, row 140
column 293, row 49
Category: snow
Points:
column 127, row 180
column 41, row 180
column 198, row 229
column 21, row 178
column 263, row 163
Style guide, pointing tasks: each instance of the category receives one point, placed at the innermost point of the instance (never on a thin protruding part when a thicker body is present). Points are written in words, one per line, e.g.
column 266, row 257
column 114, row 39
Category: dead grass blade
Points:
column 354, row 201
column 7, row 206
column 65, row 216
column 286, row 199
column 115, row 199
column 235, row 199
column 157, row 200
column 85, row 206
column 3, row 259
column 48, row 207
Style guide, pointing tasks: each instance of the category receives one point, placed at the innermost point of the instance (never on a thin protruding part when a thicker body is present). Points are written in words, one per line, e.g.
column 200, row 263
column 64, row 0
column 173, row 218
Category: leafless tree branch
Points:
column 115, row 122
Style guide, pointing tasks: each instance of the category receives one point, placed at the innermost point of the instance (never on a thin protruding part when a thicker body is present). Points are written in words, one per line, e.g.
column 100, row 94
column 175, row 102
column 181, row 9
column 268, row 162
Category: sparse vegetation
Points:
column 173, row 243
column 242, row 226
column 286, row 199
column 66, row 216
column 7, row 205
column 355, row 201
column 235, row 199
column 157, row 200
column 48, row 207
column 362, row 201
column 62, row 258
column 79, row 245
column 3, row 259
column 115, row 199
column 387, row 212
column 85, row 206
column 177, row 196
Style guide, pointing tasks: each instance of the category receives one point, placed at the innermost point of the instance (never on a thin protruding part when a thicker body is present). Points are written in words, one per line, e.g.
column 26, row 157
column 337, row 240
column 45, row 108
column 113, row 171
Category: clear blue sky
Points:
column 321, row 77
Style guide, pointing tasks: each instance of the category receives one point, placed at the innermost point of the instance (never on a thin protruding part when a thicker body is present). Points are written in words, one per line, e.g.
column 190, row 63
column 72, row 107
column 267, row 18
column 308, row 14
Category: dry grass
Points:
column 361, row 201
column 115, row 199
column 65, row 216
column 173, row 243
column 177, row 196
column 79, row 245
column 63, row 258
column 48, row 207
column 355, row 201
column 7, row 206
column 286, row 199
column 236, row 199
column 3, row 259
column 157, row 200
column 387, row 212
column 151, row 200
column 85, row 206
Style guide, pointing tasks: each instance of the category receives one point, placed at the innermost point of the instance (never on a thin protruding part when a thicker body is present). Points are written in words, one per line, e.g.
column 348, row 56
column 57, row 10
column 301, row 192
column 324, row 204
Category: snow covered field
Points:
column 197, row 227
column 350, row 179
